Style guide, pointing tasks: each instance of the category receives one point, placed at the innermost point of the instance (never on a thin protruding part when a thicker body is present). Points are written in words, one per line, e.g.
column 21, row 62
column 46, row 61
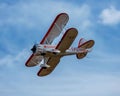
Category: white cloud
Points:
column 12, row 61
column 33, row 18
column 39, row 13
column 74, row 83
column 110, row 16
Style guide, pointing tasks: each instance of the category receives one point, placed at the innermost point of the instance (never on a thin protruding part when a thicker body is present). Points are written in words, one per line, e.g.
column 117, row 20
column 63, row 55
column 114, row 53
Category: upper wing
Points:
column 54, row 31
column 56, row 28
column 64, row 44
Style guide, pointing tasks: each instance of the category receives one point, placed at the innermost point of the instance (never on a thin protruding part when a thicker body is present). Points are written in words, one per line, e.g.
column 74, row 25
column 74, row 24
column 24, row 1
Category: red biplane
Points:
column 49, row 55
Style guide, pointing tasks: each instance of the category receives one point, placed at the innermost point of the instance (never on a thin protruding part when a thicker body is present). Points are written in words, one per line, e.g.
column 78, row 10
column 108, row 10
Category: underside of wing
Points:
column 64, row 44
column 55, row 29
column 67, row 39
column 33, row 60
column 53, row 61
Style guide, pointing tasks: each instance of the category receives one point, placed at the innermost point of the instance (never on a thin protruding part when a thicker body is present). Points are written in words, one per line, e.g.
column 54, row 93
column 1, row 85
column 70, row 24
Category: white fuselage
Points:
column 50, row 50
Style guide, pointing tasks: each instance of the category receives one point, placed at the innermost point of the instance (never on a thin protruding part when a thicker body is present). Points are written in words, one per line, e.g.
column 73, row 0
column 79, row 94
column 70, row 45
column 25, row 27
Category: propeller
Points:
column 34, row 46
column 33, row 49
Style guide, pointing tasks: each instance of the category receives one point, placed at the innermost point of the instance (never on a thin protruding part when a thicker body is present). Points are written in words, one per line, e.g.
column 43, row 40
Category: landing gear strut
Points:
column 44, row 65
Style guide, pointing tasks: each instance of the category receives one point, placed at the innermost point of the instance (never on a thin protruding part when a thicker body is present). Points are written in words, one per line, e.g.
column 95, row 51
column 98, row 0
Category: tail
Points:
column 82, row 40
column 85, row 45
column 81, row 55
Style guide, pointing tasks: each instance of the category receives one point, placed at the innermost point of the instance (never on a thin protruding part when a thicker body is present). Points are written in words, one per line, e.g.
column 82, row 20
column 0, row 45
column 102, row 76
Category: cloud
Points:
column 110, row 16
column 33, row 18
column 75, row 83
column 13, row 60
column 34, row 13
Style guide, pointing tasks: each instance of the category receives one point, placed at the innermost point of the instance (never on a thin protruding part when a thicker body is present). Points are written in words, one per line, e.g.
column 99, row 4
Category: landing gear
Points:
column 44, row 65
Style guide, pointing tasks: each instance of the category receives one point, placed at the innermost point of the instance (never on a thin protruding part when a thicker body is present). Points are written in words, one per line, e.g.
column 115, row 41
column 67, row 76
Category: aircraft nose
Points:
column 33, row 49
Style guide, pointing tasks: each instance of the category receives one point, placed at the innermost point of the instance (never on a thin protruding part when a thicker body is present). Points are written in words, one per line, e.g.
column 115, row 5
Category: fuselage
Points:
column 50, row 50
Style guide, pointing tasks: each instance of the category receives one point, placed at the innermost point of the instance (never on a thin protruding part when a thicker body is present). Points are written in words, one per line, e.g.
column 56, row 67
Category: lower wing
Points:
column 33, row 60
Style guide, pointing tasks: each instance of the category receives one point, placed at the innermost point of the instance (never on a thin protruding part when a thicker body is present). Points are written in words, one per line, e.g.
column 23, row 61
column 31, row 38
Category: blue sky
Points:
column 24, row 22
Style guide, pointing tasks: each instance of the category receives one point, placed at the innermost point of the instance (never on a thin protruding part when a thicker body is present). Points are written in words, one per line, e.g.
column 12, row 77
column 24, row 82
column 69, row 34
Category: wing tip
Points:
column 62, row 14
column 38, row 74
column 26, row 64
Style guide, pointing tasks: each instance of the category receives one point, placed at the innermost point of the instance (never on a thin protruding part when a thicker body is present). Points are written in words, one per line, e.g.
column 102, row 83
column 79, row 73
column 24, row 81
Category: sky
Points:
column 25, row 22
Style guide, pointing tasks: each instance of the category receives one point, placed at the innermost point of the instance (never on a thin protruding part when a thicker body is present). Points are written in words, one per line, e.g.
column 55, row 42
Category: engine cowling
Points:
column 36, row 49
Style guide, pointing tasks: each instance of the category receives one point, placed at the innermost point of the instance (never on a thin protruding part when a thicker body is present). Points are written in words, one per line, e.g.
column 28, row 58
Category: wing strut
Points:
column 60, row 29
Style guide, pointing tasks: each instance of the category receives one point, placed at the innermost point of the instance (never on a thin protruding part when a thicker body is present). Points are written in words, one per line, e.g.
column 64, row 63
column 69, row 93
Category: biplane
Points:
column 48, row 55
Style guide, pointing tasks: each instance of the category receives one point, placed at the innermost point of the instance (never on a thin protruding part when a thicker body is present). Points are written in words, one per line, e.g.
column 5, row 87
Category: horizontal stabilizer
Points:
column 84, row 45
column 81, row 55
